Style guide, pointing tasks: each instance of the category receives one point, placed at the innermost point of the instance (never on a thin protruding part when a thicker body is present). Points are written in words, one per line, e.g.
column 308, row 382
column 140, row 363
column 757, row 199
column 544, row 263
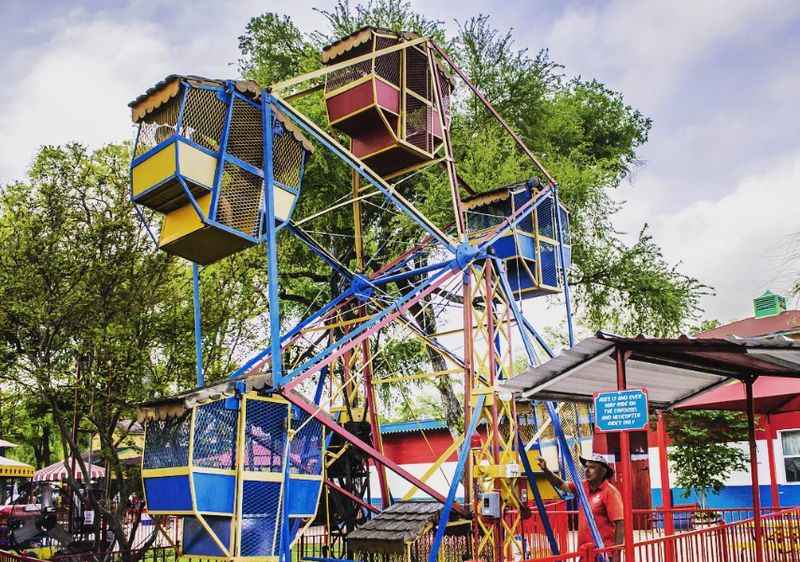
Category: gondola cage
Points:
column 530, row 250
column 199, row 159
column 386, row 103
column 221, row 464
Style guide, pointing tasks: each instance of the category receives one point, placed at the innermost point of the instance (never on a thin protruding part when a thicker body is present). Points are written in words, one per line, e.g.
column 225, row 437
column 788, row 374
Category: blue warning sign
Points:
column 621, row 410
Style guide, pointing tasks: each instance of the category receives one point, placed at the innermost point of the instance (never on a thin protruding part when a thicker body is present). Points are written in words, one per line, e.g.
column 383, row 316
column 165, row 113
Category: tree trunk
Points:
column 45, row 449
column 453, row 411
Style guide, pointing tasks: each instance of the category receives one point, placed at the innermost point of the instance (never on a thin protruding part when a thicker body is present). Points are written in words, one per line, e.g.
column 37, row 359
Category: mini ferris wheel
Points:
column 292, row 437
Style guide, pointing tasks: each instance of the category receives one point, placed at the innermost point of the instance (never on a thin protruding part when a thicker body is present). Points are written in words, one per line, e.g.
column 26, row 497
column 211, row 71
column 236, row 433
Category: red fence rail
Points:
column 729, row 537
column 648, row 525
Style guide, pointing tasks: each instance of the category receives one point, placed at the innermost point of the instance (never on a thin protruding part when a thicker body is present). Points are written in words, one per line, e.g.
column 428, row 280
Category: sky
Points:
column 719, row 180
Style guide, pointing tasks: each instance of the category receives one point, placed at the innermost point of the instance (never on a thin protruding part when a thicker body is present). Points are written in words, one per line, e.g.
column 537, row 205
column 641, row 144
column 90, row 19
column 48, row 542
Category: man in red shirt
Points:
column 604, row 499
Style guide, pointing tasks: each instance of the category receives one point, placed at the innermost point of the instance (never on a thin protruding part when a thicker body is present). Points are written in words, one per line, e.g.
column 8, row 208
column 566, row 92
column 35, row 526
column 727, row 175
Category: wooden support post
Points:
column 627, row 469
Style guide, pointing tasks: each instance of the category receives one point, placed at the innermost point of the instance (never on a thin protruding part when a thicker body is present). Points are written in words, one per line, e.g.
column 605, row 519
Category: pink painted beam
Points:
column 368, row 333
column 314, row 411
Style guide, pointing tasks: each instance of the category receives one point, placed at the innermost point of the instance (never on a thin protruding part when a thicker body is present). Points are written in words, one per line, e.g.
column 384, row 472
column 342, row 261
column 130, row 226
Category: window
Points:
column 790, row 443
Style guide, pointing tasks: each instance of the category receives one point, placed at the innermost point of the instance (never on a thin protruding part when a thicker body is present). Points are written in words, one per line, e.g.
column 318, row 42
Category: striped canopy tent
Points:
column 57, row 472
column 9, row 468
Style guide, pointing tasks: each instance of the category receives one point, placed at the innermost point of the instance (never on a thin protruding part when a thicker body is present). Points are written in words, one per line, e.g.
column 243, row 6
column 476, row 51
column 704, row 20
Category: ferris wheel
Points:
column 287, row 441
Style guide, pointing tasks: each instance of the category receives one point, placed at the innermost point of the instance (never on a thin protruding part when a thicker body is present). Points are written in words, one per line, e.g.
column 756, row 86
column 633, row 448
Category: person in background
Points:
column 604, row 500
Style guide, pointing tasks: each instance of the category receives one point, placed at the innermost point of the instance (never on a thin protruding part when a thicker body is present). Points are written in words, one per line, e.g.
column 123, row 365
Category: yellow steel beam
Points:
column 279, row 87
column 435, row 466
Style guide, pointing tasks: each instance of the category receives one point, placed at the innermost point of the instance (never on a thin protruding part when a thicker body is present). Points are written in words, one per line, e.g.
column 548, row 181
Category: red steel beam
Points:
column 627, row 469
column 751, row 434
column 773, row 474
column 314, row 411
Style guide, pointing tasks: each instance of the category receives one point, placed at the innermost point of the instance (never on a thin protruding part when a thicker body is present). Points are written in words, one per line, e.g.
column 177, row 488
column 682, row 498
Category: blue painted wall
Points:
column 733, row 496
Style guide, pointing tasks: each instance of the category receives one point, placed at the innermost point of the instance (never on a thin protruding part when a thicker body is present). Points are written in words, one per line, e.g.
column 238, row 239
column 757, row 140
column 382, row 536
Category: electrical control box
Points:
column 490, row 504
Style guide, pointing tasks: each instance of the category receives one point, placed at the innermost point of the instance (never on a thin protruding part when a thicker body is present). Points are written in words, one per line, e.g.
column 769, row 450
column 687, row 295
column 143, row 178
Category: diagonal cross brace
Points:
column 315, row 412
column 354, row 338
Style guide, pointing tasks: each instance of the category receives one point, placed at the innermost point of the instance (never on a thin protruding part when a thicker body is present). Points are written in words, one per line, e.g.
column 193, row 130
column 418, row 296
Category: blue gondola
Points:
column 218, row 458
column 531, row 249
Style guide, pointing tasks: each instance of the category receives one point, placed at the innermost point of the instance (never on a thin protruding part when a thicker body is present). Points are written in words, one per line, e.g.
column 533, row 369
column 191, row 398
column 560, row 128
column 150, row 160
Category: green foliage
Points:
column 702, row 455
column 704, row 326
column 584, row 132
column 272, row 48
column 396, row 15
column 95, row 320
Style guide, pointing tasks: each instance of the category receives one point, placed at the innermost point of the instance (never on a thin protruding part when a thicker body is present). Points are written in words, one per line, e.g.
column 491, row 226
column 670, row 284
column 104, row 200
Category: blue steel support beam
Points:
column 410, row 273
column 198, row 327
column 564, row 276
column 272, row 243
column 537, row 496
column 463, row 454
column 319, row 251
column 373, row 179
column 583, row 500
column 532, row 329
column 515, row 310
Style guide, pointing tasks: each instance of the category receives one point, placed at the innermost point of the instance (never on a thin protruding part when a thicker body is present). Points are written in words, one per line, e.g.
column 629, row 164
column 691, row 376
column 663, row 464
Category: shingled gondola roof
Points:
column 497, row 193
column 341, row 46
column 391, row 529
column 166, row 89
column 174, row 406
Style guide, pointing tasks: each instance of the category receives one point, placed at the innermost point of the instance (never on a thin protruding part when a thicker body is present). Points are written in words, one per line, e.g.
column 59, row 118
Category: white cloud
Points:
column 74, row 89
column 648, row 46
column 76, row 81
column 739, row 243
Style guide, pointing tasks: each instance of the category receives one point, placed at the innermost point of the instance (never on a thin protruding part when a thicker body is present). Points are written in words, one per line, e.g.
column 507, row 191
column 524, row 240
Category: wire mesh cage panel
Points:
column 204, row 117
column 417, row 73
column 418, row 123
column 246, row 136
column 261, row 521
column 167, row 442
column 240, row 200
column 305, row 449
column 342, row 77
column 156, row 127
column 446, row 92
column 214, row 443
column 545, row 219
column 548, row 261
column 265, row 436
column 196, row 540
column 387, row 67
column 288, row 156
column 570, row 423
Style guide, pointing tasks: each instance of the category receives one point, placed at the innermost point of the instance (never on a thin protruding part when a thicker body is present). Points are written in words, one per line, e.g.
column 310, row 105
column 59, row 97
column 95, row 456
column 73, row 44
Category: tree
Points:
column 96, row 320
column 702, row 455
column 585, row 133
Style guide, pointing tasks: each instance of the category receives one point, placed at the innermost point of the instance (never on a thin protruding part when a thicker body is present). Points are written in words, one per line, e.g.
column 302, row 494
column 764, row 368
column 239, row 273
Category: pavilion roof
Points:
column 672, row 370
